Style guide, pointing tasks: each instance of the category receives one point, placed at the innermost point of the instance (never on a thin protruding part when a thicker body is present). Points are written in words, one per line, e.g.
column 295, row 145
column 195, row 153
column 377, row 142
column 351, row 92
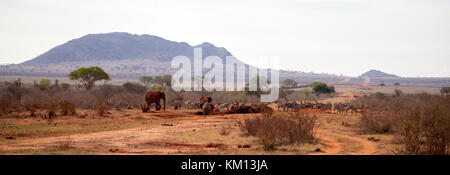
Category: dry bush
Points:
column 135, row 88
column 425, row 127
column 5, row 103
column 51, row 107
column 66, row 107
column 421, row 121
column 127, row 100
column 377, row 122
column 65, row 145
column 100, row 108
column 34, row 100
column 279, row 129
column 225, row 130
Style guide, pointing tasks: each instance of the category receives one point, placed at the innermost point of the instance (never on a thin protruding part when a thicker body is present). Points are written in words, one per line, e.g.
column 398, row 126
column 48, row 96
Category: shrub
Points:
column 225, row 131
column 66, row 107
column 44, row 84
column 65, row 86
column 33, row 101
column 307, row 92
column 51, row 107
column 425, row 127
column 16, row 89
column 421, row 122
column 134, row 88
column 100, row 108
column 445, row 90
column 269, row 146
column 158, row 87
column 279, row 129
column 319, row 87
column 398, row 92
column 377, row 122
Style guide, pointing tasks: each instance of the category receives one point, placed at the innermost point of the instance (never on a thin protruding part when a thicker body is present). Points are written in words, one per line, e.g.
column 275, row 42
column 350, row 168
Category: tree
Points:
column 289, row 83
column 88, row 76
column 146, row 79
column 284, row 93
column 163, row 80
column 319, row 87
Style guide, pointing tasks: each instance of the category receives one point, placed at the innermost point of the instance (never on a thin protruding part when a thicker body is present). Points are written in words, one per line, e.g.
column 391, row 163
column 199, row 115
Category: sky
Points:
column 344, row 37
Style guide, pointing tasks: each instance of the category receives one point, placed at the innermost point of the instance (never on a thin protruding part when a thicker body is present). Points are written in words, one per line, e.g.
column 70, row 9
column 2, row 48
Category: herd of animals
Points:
column 207, row 107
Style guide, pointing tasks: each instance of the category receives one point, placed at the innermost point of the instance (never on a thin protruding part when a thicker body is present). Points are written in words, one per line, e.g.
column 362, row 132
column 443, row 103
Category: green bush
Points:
column 319, row 87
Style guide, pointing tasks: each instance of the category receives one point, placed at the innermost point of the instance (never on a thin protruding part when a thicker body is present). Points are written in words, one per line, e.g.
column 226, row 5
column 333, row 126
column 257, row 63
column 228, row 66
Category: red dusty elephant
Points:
column 206, row 106
column 154, row 97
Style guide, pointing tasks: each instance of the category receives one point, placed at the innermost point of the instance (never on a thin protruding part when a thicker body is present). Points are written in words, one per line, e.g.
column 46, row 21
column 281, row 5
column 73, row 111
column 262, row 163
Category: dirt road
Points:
column 335, row 147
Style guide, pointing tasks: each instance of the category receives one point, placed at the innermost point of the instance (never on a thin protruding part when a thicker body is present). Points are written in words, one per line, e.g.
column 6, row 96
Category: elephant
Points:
column 204, row 100
column 154, row 97
column 207, row 108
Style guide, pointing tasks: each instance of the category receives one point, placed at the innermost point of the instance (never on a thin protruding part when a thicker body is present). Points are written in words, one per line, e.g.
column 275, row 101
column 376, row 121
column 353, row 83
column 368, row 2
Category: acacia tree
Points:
column 163, row 80
column 146, row 79
column 289, row 83
column 319, row 87
column 88, row 76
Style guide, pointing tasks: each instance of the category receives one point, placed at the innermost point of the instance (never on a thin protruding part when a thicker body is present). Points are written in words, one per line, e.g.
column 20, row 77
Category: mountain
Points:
column 121, row 46
column 128, row 55
column 378, row 74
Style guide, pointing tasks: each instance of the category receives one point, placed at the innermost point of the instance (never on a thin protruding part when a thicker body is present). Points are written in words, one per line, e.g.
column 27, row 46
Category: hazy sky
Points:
column 404, row 37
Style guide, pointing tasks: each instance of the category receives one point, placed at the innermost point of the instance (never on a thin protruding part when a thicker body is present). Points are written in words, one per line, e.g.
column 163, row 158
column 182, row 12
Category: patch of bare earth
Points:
column 139, row 140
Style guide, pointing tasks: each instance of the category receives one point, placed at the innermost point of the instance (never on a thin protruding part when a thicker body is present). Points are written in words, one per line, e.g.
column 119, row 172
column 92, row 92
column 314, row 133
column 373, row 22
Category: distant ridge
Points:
column 378, row 74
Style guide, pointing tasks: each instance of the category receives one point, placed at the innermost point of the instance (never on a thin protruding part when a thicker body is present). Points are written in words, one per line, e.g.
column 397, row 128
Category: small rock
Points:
column 113, row 150
column 239, row 146
column 317, row 150
column 194, row 130
column 373, row 139
column 9, row 137
column 246, row 146
column 165, row 124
